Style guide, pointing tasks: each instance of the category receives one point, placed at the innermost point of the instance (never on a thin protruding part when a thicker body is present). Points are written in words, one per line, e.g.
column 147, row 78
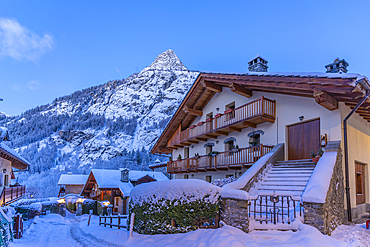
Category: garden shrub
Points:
column 29, row 208
column 175, row 206
column 89, row 204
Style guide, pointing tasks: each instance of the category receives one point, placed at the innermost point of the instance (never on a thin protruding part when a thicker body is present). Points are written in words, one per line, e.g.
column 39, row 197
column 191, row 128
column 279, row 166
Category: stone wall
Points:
column 327, row 216
column 234, row 212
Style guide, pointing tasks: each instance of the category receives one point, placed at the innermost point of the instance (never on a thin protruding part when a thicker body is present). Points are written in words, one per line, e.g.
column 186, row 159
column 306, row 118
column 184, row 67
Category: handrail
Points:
column 11, row 193
column 223, row 159
column 258, row 107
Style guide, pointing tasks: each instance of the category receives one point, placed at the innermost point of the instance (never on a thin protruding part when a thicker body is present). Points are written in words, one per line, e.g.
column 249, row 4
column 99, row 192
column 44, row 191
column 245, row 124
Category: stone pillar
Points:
column 234, row 212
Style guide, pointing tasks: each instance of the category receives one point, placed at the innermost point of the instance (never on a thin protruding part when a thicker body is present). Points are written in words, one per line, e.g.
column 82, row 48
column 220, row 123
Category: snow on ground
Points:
column 355, row 236
column 54, row 230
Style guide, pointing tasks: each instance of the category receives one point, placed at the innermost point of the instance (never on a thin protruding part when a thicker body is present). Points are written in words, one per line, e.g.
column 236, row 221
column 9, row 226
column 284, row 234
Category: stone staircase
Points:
column 286, row 178
column 285, row 181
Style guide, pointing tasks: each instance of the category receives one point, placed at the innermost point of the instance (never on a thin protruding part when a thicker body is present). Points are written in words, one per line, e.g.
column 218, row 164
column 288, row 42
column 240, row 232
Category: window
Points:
column 186, row 176
column 117, row 201
column 360, row 183
column 208, row 149
column 186, row 153
column 209, row 179
column 229, row 111
column 6, row 182
column 255, row 140
column 229, row 145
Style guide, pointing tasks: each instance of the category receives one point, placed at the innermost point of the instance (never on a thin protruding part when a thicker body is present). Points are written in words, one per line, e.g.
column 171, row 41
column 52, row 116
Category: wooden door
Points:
column 360, row 183
column 302, row 139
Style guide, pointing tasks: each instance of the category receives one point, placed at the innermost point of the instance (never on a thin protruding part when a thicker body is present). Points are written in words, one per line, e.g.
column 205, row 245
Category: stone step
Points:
column 294, row 161
column 295, row 166
column 280, row 188
column 287, row 192
column 283, row 183
column 289, row 179
column 307, row 174
column 293, row 169
column 290, row 172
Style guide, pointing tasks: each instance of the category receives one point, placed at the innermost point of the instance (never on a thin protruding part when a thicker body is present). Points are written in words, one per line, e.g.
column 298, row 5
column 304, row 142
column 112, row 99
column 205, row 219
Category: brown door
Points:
column 360, row 183
column 302, row 139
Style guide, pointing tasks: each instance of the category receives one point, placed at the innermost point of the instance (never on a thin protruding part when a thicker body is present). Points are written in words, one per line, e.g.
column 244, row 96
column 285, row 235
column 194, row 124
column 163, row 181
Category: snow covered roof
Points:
column 160, row 164
column 112, row 178
column 294, row 74
column 7, row 150
column 70, row 179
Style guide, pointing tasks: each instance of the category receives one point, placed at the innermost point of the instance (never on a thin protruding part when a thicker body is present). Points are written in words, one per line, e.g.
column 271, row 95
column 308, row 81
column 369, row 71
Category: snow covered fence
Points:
column 174, row 206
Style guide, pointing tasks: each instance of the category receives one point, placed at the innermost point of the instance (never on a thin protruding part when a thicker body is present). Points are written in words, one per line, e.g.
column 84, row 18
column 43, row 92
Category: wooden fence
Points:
column 119, row 221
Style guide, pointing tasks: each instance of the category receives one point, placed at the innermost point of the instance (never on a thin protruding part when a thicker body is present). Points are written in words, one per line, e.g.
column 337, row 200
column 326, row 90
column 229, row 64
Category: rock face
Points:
column 101, row 121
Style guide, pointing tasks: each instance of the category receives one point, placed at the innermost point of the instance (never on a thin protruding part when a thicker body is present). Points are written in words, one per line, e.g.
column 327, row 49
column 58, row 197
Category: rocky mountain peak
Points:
column 167, row 60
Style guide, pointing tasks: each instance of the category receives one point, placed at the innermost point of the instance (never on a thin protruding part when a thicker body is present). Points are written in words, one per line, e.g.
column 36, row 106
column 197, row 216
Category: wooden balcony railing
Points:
column 255, row 112
column 222, row 161
column 11, row 193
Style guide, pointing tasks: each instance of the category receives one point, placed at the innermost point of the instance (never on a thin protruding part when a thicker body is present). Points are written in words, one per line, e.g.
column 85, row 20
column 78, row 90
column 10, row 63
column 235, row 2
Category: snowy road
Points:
column 55, row 231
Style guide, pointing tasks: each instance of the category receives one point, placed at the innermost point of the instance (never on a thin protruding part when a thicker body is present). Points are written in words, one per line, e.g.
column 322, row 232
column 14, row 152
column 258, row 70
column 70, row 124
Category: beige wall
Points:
column 5, row 164
column 358, row 150
column 288, row 111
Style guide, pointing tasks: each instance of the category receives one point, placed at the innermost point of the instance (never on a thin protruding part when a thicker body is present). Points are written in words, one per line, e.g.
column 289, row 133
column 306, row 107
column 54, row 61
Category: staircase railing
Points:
column 275, row 208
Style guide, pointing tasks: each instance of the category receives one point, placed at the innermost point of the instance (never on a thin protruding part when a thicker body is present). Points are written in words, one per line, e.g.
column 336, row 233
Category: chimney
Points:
column 124, row 175
column 338, row 66
column 257, row 64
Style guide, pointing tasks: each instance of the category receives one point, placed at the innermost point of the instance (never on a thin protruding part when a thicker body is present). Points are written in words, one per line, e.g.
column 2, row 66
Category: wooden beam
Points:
column 240, row 90
column 222, row 133
column 325, row 100
column 250, row 124
column 193, row 111
column 235, row 129
column 211, row 136
column 201, row 139
column 193, row 141
column 212, row 87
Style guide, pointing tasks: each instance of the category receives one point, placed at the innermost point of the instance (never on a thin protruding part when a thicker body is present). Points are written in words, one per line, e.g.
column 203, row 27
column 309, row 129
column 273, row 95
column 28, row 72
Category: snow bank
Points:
column 235, row 194
column 184, row 190
column 248, row 175
column 318, row 185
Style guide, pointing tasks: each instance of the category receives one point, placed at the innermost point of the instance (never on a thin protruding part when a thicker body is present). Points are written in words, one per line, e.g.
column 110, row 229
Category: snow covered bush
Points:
column 174, row 206
column 88, row 205
column 29, row 208
column 222, row 182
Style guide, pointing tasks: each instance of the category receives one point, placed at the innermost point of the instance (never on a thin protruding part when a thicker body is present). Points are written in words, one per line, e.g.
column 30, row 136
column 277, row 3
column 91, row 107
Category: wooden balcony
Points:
column 11, row 194
column 249, row 115
column 234, row 159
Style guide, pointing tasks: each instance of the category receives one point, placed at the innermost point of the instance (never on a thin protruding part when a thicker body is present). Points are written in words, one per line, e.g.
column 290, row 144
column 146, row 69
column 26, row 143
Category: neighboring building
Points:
column 115, row 185
column 227, row 122
column 10, row 161
column 159, row 166
column 71, row 183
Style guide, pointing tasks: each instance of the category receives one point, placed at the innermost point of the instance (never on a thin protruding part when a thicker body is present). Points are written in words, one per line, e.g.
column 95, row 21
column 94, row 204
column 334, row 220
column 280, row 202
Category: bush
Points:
column 29, row 211
column 88, row 205
column 175, row 206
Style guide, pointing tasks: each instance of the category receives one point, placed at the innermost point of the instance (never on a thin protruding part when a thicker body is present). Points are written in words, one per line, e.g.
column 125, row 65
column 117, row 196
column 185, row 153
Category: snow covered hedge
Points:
column 29, row 208
column 174, row 206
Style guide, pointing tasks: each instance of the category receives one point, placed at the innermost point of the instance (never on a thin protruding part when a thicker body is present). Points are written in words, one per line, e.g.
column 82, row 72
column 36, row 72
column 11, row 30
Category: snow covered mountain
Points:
column 103, row 122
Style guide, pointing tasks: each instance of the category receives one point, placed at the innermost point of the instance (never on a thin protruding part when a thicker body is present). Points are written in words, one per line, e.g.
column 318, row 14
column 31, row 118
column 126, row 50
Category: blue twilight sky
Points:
column 52, row 48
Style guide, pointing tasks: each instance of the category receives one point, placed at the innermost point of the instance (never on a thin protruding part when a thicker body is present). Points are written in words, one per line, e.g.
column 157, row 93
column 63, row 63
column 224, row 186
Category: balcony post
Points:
column 262, row 99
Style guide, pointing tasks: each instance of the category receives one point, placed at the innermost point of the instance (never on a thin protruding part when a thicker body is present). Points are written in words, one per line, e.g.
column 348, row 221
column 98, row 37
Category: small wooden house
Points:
column 71, row 183
column 115, row 185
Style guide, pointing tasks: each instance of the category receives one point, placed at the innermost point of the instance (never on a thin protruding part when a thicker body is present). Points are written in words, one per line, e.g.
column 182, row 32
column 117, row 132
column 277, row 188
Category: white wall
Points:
column 5, row 164
column 288, row 111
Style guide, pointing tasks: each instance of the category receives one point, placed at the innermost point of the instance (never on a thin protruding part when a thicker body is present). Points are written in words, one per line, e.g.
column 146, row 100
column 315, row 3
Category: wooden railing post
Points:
column 11, row 193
